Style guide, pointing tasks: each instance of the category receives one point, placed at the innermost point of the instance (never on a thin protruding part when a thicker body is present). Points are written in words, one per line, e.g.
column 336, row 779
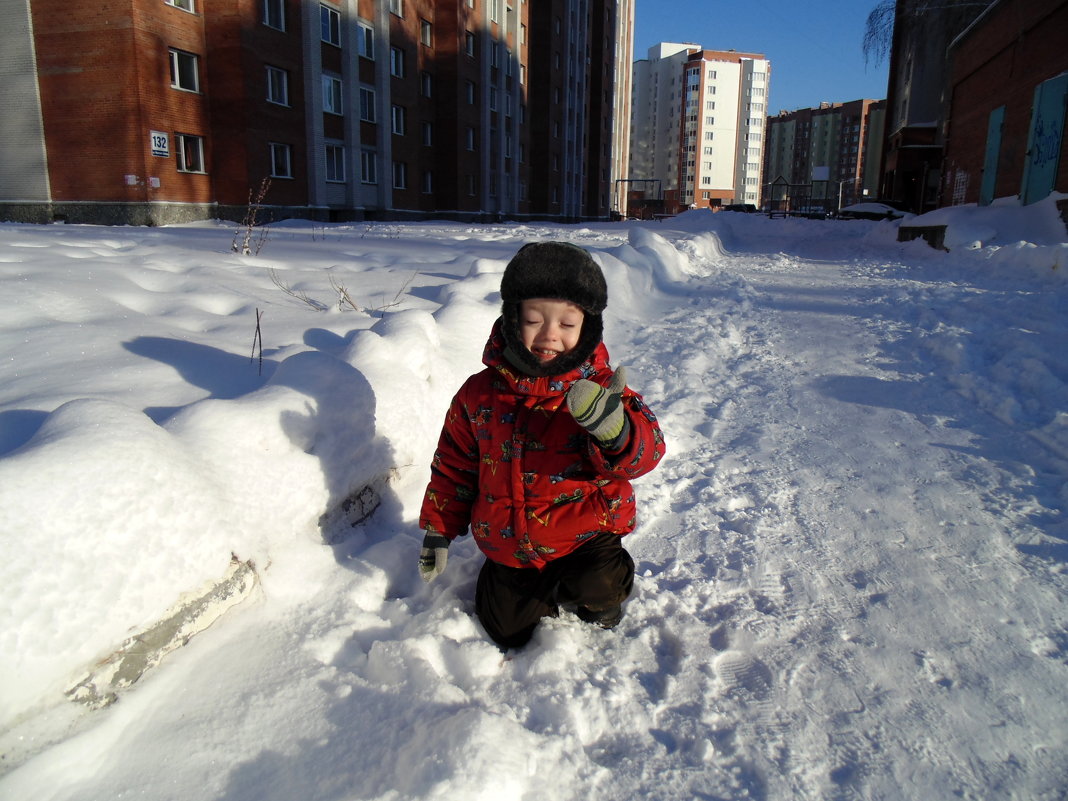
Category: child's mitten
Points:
column 433, row 556
column 600, row 409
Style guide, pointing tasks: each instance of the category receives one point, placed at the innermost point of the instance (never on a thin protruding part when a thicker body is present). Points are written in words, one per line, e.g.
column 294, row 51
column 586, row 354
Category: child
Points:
column 536, row 453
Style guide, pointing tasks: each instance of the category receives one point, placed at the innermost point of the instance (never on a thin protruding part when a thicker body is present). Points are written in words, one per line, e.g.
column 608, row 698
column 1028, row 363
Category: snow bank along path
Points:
column 851, row 566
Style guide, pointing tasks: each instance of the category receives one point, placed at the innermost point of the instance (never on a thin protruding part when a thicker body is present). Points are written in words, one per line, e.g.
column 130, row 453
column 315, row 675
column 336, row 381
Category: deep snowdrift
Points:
column 852, row 565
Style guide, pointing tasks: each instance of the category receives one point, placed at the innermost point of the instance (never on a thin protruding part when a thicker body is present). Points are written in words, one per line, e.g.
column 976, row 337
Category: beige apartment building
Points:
column 697, row 128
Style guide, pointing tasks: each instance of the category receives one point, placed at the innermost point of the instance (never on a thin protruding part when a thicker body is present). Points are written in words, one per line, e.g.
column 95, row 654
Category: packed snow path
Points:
column 851, row 570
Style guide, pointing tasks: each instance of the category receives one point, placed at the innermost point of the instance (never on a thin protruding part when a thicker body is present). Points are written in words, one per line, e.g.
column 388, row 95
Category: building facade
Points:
column 154, row 111
column 824, row 158
column 1008, row 87
column 697, row 130
column 917, row 101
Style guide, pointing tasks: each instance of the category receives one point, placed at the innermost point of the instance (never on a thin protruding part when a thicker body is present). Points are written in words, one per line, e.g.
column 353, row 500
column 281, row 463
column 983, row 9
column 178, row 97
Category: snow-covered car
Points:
column 871, row 210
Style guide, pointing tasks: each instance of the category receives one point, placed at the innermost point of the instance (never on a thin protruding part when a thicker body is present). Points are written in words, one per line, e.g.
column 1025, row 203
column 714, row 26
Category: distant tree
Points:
column 878, row 32
column 879, row 28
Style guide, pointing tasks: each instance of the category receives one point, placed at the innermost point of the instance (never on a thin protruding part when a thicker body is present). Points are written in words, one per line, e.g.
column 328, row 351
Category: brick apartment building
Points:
column 1008, row 89
column 826, row 157
column 155, row 111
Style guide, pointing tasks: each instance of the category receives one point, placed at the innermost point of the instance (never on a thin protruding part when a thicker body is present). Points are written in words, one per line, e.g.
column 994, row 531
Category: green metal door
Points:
column 1044, row 139
column 990, row 163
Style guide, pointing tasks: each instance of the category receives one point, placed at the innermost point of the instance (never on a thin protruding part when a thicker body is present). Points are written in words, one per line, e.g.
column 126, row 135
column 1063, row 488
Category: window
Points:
column 396, row 62
column 277, row 86
column 426, row 83
column 274, row 14
column 368, row 167
column 400, row 175
column 470, row 138
column 185, row 5
column 708, row 136
column 400, row 122
column 428, row 182
column 190, row 152
column 470, row 185
column 493, row 98
column 335, row 164
column 365, row 41
column 396, row 7
column 426, row 32
column 367, row 105
column 469, row 87
column 184, row 73
column 428, row 134
column 281, row 160
column 469, row 44
column 332, row 95
column 710, row 120
column 330, row 25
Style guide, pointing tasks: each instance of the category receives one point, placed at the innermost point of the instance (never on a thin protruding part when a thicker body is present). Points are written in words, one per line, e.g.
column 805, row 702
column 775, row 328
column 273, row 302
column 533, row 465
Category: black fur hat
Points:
column 559, row 271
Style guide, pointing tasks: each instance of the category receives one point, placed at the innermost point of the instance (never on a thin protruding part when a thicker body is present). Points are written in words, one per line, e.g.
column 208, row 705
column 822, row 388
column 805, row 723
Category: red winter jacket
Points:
column 531, row 483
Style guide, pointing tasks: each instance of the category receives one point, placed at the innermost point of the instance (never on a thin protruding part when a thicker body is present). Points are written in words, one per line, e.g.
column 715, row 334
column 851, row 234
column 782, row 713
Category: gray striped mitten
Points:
column 433, row 556
column 600, row 409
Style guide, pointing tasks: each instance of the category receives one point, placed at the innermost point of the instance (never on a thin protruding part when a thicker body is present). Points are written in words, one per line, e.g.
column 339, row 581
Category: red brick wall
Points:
column 104, row 76
column 1017, row 46
column 243, row 122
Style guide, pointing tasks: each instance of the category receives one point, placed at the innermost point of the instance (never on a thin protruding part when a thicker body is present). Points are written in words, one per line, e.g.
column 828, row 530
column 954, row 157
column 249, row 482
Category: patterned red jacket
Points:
column 514, row 466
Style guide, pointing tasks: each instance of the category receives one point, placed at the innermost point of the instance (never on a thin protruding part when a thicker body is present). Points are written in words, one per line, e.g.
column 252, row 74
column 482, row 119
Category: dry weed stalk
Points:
column 251, row 222
column 299, row 294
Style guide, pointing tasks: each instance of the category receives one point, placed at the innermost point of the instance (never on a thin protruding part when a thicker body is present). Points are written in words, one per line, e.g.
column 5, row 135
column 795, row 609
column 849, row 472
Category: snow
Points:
column 852, row 564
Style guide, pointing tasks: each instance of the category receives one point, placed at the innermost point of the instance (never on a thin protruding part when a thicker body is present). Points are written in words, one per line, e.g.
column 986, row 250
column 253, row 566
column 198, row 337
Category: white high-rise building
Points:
column 621, row 99
column 697, row 125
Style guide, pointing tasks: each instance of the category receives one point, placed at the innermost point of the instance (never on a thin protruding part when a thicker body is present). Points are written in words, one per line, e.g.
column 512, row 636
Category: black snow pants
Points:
column 594, row 579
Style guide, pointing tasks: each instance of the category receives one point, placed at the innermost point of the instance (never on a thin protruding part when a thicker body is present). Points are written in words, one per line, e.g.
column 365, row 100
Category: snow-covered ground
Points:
column 852, row 564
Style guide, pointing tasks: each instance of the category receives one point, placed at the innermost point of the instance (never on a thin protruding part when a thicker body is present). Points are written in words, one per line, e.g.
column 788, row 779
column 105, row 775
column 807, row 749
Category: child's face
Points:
column 549, row 327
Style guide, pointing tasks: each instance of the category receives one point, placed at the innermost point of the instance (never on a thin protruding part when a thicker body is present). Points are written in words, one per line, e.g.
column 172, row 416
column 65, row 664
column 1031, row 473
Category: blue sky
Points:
column 814, row 45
